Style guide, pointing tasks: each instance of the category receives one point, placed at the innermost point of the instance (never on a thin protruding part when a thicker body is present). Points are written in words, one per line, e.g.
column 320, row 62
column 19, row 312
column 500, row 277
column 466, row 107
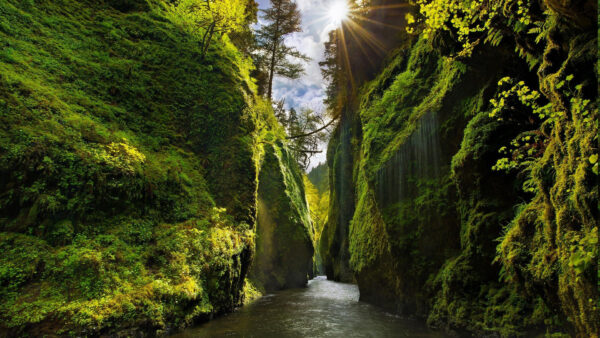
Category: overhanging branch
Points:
column 306, row 150
column 312, row 132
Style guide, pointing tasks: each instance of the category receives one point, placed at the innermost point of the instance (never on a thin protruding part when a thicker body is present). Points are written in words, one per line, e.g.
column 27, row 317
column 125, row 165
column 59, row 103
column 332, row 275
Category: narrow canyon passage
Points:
column 323, row 309
column 187, row 167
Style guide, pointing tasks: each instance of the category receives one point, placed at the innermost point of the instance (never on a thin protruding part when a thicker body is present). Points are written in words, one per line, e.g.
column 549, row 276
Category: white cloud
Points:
column 309, row 90
column 310, row 41
column 307, row 5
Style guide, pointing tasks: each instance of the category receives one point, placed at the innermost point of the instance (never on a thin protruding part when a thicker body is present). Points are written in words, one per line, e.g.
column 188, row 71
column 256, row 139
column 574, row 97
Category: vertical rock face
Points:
column 365, row 58
column 334, row 238
column 418, row 158
column 551, row 246
column 424, row 223
column 284, row 242
column 406, row 223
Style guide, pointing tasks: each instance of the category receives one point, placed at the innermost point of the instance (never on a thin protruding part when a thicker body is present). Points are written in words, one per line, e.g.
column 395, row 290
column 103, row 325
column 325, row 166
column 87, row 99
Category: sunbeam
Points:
column 338, row 12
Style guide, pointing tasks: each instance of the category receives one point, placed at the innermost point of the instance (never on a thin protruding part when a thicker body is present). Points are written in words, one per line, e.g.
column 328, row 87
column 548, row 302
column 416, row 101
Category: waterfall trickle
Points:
column 417, row 159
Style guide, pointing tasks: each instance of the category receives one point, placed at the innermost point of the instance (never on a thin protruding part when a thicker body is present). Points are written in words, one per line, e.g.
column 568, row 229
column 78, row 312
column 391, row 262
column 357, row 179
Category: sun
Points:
column 338, row 12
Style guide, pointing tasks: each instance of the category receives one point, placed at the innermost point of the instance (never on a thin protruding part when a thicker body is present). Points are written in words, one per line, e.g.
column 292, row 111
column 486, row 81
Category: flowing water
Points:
column 419, row 157
column 323, row 309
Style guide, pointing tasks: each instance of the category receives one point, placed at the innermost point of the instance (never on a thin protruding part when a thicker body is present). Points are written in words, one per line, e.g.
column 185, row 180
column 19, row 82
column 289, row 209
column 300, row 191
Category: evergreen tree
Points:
column 283, row 18
column 304, row 123
column 331, row 69
column 280, row 113
column 292, row 123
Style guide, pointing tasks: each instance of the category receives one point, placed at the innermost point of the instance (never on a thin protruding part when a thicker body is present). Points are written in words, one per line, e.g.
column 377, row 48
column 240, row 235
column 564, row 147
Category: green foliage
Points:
column 205, row 18
column 251, row 292
column 584, row 252
column 476, row 21
column 527, row 227
column 547, row 246
column 318, row 205
column 285, row 234
column 228, row 15
column 129, row 5
column 302, row 139
column 103, row 283
column 273, row 55
column 332, row 72
column 319, row 177
column 114, row 213
column 530, row 145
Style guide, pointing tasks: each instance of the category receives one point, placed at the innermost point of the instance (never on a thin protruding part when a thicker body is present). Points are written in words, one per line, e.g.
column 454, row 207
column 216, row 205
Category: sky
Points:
column 309, row 89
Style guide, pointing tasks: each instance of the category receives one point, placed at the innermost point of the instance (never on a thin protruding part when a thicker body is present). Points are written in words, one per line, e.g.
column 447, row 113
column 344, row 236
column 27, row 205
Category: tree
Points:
column 304, row 123
column 280, row 113
column 331, row 69
column 244, row 38
column 283, row 19
column 305, row 130
column 207, row 18
column 292, row 124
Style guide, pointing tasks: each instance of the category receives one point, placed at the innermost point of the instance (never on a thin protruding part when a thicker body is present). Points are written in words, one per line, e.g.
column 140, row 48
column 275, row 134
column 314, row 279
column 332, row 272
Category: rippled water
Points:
column 323, row 309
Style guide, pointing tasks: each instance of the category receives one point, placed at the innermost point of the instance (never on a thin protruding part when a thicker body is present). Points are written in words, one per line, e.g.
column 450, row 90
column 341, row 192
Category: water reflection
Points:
column 323, row 309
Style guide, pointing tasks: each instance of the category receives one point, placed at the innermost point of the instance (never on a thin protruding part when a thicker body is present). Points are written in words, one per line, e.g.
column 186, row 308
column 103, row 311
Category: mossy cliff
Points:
column 128, row 169
column 284, row 243
column 316, row 183
column 319, row 177
column 333, row 244
column 463, row 183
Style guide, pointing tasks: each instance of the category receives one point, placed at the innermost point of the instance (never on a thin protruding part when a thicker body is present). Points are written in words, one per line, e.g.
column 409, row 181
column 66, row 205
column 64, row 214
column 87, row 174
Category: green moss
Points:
column 333, row 244
column 285, row 234
column 103, row 284
column 129, row 170
column 420, row 99
column 551, row 245
column 543, row 275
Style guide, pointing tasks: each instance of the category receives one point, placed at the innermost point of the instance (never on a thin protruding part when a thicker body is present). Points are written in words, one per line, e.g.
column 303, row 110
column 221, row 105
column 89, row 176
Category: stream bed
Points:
column 323, row 309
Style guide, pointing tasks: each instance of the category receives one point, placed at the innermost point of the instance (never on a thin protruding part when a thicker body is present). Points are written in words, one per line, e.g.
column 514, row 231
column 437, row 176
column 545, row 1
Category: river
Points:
column 322, row 309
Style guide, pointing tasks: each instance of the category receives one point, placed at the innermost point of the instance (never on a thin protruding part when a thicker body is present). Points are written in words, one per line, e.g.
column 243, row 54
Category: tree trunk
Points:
column 271, row 74
column 211, row 30
column 272, row 65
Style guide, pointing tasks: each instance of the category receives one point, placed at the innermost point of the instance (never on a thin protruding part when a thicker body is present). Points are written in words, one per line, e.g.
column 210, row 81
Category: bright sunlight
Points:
column 338, row 12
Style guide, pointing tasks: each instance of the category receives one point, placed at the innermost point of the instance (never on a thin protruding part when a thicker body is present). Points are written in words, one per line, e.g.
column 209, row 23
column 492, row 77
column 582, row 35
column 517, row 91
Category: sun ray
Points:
column 338, row 12
column 370, row 8
column 359, row 44
column 362, row 18
column 346, row 58
column 349, row 19
column 367, row 37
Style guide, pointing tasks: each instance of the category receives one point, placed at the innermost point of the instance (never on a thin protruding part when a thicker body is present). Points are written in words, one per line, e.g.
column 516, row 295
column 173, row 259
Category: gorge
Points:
column 151, row 185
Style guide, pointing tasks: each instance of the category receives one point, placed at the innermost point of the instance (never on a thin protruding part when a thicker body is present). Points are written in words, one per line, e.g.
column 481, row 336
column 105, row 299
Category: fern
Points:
column 494, row 38
column 542, row 28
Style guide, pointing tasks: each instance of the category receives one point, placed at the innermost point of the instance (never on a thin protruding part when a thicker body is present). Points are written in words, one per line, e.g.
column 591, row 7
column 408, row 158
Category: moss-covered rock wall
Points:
column 470, row 195
column 333, row 243
column 128, row 170
column 284, row 233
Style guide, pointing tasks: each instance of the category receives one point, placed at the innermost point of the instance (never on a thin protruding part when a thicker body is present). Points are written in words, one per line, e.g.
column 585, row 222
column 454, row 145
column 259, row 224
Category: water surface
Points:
column 323, row 309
